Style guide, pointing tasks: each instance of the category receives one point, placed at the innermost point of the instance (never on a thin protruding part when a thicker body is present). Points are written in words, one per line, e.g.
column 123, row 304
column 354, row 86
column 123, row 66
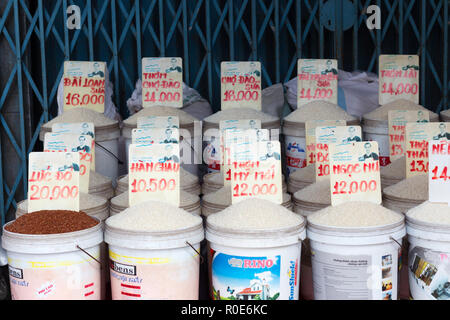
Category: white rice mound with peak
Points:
column 433, row 213
column 413, row 188
column 159, row 111
column 255, row 214
column 153, row 216
column 382, row 113
column 240, row 113
column 395, row 170
column 96, row 179
column 355, row 214
column 81, row 115
column 307, row 173
column 319, row 110
column 318, row 192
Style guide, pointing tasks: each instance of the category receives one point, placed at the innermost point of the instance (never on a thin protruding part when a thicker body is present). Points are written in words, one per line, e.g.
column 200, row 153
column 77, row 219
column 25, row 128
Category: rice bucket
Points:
column 51, row 266
column 406, row 194
column 301, row 178
column 100, row 185
column 428, row 227
column 355, row 249
column 254, row 252
column 153, row 250
column 393, row 173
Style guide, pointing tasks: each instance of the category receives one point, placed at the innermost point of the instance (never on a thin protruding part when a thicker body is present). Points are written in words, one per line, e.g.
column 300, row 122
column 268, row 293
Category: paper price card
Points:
column 256, row 172
column 310, row 132
column 152, row 122
column 154, row 173
column 397, row 127
column 162, row 82
column 84, row 85
column 399, row 78
column 355, row 172
column 418, row 136
column 332, row 134
column 439, row 176
column 317, row 80
column 157, row 135
column 62, row 142
column 78, row 128
column 53, row 181
column 240, row 85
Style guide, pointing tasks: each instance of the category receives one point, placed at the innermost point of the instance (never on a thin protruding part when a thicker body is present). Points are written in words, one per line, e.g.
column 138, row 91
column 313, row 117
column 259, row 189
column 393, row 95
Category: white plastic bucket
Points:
column 51, row 267
column 429, row 260
column 154, row 266
column 355, row 263
column 260, row 263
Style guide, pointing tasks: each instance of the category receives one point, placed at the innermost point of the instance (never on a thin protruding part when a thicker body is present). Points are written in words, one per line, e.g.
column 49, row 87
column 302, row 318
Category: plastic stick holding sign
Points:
column 397, row 129
column 355, row 172
column 62, row 142
column 154, row 173
column 310, row 132
column 241, row 85
column 53, row 181
column 317, row 80
column 439, row 176
column 399, row 78
column 152, row 122
column 332, row 134
column 84, row 85
column 78, row 128
column 256, row 171
column 162, row 82
column 155, row 135
column 418, row 136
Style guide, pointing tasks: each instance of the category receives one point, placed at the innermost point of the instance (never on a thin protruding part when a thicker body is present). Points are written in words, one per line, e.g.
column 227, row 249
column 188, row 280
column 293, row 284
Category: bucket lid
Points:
column 427, row 231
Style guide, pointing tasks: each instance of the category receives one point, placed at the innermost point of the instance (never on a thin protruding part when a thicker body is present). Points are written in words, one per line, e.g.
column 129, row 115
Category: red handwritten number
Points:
column 240, row 190
column 241, row 95
column 75, row 99
column 401, row 88
column 442, row 176
column 341, row 187
column 152, row 185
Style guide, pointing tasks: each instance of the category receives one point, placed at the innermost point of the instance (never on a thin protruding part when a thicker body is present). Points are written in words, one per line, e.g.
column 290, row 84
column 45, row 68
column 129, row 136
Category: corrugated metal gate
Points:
column 34, row 43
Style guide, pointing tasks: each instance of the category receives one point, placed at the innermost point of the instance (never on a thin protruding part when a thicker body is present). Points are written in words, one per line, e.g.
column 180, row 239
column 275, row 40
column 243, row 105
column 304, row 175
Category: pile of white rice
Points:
column 319, row 110
column 240, row 113
column 304, row 174
column 158, row 111
column 97, row 179
column 318, row 192
column 434, row 213
column 81, row 115
column 395, row 170
column 186, row 198
column 382, row 112
column 414, row 188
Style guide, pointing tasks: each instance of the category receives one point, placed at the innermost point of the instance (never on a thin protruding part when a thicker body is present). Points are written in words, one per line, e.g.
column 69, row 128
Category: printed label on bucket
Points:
column 295, row 153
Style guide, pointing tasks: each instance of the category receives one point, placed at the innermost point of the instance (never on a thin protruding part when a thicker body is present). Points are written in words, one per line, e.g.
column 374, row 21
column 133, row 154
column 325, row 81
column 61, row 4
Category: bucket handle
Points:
column 196, row 251
column 84, row 251
column 112, row 154
column 401, row 247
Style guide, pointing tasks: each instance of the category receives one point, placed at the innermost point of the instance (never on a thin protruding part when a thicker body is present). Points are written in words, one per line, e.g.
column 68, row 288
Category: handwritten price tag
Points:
column 156, row 135
column 154, row 173
column 152, row 122
column 256, row 173
column 399, row 78
column 439, row 177
column 332, row 134
column 310, row 132
column 53, row 181
column 317, row 80
column 241, row 85
column 397, row 129
column 418, row 136
column 162, row 82
column 62, row 142
column 84, row 85
column 355, row 172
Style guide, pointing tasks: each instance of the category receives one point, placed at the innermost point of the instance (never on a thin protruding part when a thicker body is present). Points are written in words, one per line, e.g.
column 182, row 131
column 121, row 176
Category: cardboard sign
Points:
column 439, row 176
column 154, row 173
column 317, row 80
column 162, row 82
column 84, row 85
column 399, row 78
column 418, row 136
column 332, row 134
column 397, row 128
column 355, row 172
column 310, row 133
column 257, row 172
column 152, row 122
column 157, row 135
column 79, row 128
column 240, row 85
column 62, row 142
column 53, row 181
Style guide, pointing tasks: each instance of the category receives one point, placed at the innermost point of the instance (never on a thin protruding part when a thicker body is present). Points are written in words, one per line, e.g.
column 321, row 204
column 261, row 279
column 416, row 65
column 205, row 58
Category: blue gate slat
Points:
column 7, row 86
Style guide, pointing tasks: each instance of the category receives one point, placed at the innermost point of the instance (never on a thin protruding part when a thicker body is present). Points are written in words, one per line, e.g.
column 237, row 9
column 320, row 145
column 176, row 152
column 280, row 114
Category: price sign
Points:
column 154, row 173
column 162, row 82
column 310, row 132
column 317, row 80
column 256, row 173
column 152, row 122
column 399, row 78
column 439, row 176
column 355, row 172
column 332, row 134
column 62, row 142
column 241, row 85
column 397, row 128
column 84, row 85
column 157, row 135
column 418, row 136
column 78, row 128
column 53, row 181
